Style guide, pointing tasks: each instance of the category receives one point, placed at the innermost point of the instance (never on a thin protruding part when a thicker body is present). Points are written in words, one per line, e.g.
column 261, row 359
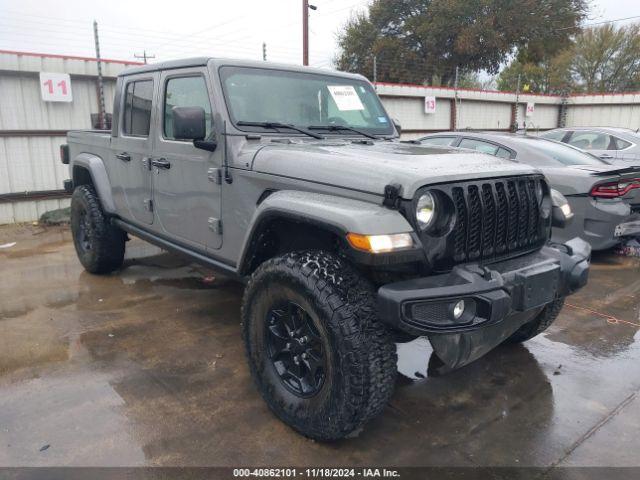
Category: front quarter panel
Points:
column 341, row 214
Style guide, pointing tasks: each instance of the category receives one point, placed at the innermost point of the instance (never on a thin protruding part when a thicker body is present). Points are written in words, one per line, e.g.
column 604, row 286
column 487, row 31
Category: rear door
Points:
column 597, row 143
column 131, row 182
column 186, row 188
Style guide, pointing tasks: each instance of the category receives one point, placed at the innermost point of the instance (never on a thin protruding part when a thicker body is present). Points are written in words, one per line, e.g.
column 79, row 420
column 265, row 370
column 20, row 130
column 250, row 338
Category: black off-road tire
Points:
column 539, row 324
column 100, row 245
column 361, row 362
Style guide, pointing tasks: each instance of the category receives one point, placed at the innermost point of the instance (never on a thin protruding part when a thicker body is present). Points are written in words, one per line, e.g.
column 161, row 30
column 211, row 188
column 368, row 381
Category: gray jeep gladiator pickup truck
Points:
column 293, row 181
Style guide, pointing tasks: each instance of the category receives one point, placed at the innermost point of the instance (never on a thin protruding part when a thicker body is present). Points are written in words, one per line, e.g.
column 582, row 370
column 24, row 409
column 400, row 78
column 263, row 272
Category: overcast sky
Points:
column 182, row 28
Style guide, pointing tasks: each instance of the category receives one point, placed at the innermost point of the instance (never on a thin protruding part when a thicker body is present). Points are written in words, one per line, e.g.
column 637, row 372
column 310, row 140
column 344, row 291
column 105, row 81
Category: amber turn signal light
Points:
column 380, row 243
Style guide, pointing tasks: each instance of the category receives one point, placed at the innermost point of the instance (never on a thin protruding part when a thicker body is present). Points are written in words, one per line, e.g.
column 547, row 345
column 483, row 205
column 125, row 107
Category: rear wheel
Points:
column 539, row 324
column 100, row 246
column 321, row 359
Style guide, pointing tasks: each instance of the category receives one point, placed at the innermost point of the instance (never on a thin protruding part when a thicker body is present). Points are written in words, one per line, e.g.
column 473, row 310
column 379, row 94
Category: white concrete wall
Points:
column 482, row 114
column 492, row 110
column 627, row 116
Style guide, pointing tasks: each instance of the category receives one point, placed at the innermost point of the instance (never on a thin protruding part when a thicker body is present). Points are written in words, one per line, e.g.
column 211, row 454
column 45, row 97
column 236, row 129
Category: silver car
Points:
column 616, row 145
column 605, row 198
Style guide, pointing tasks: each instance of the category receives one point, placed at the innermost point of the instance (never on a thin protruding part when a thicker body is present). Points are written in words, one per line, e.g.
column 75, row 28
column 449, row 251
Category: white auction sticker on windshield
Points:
column 345, row 97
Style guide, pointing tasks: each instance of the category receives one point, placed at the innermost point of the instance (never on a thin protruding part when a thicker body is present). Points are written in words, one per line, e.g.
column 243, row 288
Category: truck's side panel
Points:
column 187, row 180
column 128, row 165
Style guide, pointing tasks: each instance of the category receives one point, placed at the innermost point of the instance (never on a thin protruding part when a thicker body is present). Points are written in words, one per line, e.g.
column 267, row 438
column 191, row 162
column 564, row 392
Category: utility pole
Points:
column 305, row 30
column 562, row 114
column 144, row 56
column 516, row 109
column 101, row 110
column 455, row 101
column 375, row 71
column 264, row 51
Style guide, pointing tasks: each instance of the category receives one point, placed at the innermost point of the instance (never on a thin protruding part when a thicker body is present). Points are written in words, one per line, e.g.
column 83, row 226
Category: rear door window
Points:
column 479, row 145
column 503, row 153
column 556, row 135
column 136, row 115
column 620, row 144
column 445, row 141
column 590, row 140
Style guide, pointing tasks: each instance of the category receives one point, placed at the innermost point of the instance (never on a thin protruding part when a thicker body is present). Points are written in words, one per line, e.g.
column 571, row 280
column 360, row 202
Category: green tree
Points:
column 423, row 41
column 551, row 75
column 599, row 59
column 607, row 59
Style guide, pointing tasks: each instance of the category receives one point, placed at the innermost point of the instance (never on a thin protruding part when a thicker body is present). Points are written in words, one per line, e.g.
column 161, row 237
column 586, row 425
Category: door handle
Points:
column 124, row 156
column 606, row 156
column 161, row 163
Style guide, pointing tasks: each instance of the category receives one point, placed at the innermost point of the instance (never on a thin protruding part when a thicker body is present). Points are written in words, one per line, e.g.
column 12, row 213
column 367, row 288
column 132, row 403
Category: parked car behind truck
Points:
column 604, row 198
column 620, row 146
column 290, row 180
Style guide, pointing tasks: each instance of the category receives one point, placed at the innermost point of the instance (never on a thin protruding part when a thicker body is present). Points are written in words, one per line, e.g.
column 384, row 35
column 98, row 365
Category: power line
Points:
column 144, row 56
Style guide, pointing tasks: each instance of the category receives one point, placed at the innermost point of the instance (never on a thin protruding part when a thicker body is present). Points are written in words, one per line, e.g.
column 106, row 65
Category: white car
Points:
column 616, row 145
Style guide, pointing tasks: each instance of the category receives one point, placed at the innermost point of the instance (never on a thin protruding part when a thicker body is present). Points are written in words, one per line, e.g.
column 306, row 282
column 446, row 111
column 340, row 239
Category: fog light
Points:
column 458, row 309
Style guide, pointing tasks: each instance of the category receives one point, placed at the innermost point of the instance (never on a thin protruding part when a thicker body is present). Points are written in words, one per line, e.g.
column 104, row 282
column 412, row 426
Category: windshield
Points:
column 302, row 99
column 560, row 153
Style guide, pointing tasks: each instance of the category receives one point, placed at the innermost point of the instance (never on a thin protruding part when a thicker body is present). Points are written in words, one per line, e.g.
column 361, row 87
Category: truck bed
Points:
column 95, row 142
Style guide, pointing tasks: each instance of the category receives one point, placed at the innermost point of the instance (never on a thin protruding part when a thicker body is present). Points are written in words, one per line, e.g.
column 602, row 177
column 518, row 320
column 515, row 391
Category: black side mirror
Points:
column 189, row 123
column 396, row 124
column 561, row 214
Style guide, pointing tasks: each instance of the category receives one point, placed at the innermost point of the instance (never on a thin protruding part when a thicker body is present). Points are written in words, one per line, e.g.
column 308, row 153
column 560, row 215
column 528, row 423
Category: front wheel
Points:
column 539, row 324
column 99, row 245
column 321, row 359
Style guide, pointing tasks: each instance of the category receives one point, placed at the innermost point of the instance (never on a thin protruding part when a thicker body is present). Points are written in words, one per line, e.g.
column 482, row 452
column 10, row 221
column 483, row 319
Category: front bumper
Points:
column 512, row 288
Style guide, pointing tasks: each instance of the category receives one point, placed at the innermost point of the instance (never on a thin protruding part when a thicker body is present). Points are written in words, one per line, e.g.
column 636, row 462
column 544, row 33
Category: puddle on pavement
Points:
column 147, row 366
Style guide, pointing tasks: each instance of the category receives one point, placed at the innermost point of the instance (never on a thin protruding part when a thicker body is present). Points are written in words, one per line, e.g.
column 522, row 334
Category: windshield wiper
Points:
column 337, row 128
column 276, row 125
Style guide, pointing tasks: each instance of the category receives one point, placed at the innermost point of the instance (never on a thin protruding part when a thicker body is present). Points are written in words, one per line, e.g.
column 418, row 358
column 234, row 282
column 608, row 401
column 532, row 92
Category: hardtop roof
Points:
column 217, row 62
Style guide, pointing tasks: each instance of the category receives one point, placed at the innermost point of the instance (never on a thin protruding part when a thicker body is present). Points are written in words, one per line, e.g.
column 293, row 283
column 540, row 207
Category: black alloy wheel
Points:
column 84, row 231
column 295, row 349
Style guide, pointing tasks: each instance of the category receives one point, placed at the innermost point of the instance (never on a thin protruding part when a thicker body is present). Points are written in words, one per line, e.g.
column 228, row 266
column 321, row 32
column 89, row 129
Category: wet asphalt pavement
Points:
column 146, row 367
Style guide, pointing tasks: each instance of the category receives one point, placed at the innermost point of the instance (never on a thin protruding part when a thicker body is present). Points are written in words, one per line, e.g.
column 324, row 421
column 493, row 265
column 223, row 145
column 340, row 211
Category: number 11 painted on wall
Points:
column 55, row 87
column 62, row 84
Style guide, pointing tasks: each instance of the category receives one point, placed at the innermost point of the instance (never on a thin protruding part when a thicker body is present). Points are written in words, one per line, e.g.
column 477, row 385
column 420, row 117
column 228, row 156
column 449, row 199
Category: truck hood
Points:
column 368, row 167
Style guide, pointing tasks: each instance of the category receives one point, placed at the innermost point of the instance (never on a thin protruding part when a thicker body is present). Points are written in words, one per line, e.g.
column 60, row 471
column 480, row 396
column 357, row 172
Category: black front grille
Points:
column 496, row 218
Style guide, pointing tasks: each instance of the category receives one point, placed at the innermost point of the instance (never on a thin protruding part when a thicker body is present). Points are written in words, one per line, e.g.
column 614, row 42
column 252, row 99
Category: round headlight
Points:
column 426, row 210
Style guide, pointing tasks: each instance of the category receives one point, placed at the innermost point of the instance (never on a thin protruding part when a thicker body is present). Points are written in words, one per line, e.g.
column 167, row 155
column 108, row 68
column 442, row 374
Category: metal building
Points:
column 32, row 126
column 32, row 129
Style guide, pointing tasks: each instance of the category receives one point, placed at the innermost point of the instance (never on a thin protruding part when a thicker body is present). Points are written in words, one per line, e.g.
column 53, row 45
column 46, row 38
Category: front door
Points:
column 129, row 167
column 186, row 187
